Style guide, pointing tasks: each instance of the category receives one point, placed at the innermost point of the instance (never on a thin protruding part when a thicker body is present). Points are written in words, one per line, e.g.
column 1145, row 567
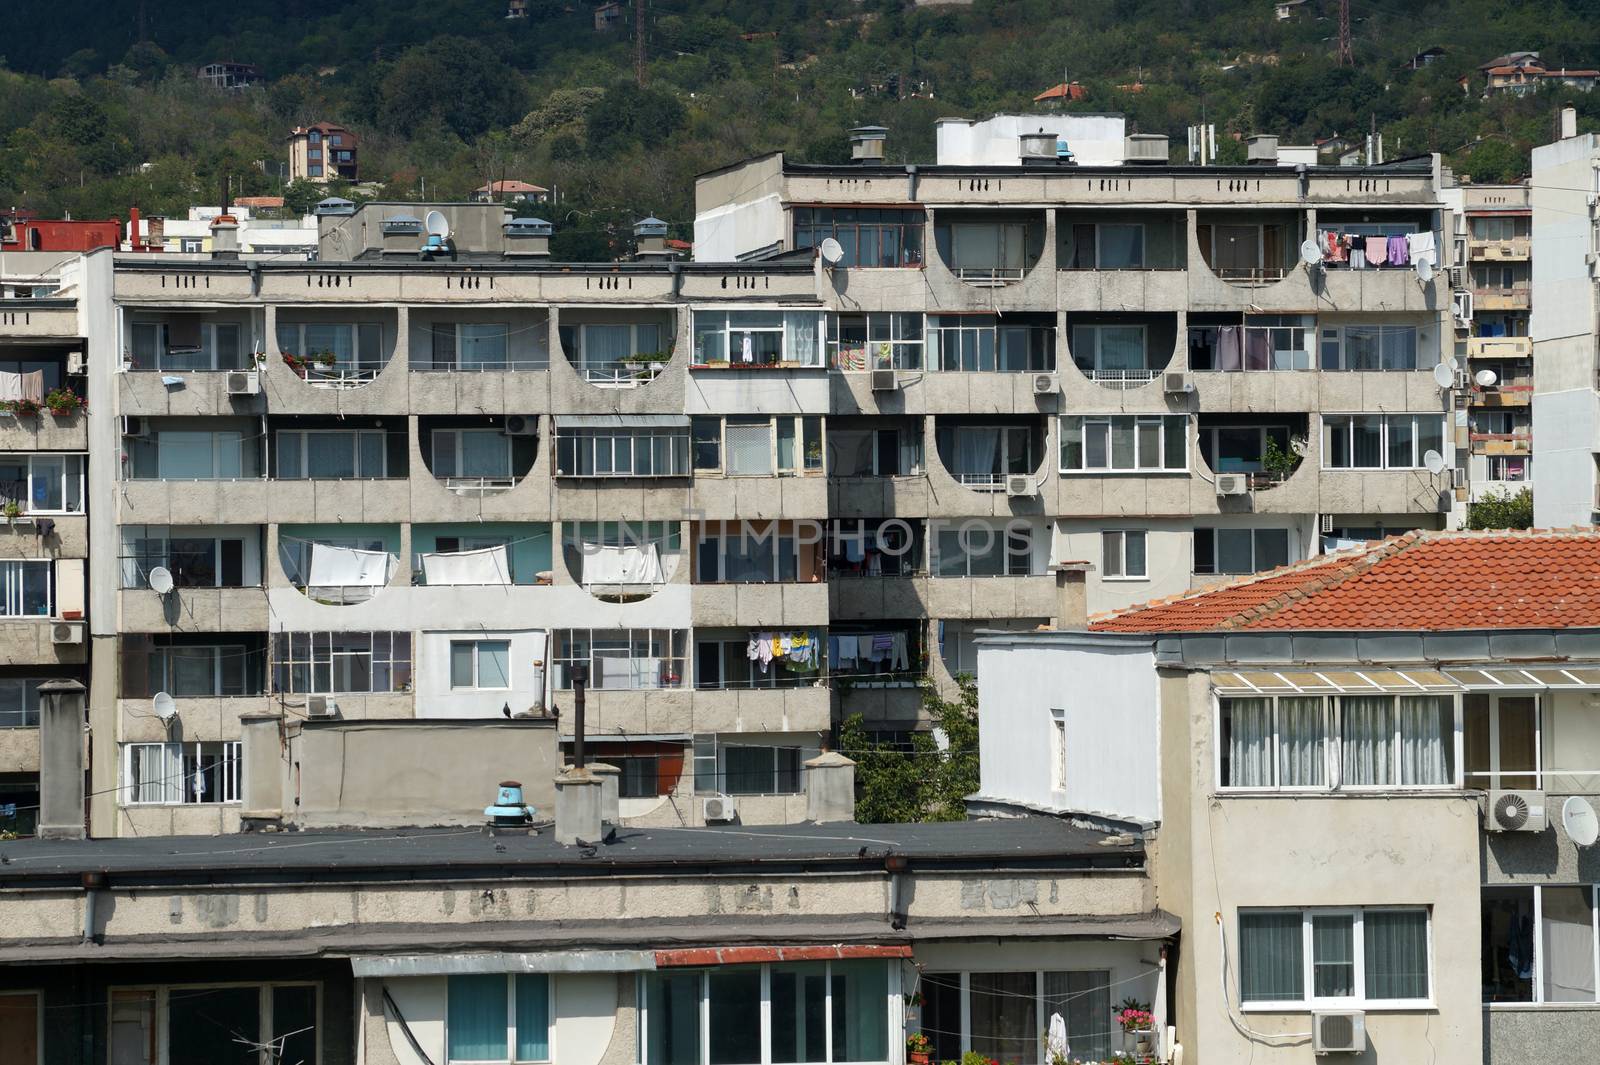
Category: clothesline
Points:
column 799, row 648
column 874, row 647
column 1364, row 251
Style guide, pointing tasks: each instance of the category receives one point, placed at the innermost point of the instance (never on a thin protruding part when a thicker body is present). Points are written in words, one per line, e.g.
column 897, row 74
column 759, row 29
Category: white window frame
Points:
column 321, row 653
column 209, row 349
column 1493, row 781
column 1106, row 423
column 897, row 352
column 1357, row 1001
column 1330, row 421
column 72, row 467
column 601, row 371
column 732, row 335
column 1058, row 749
column 676, row 643
column 1121, row 539
column 363, row 366
column 175, row 779
column 13, row 588
column 981, row 480
column 1538, row 999
column 158, row 539
column 807, row 466
column 1098, row 372
column 477, row 671
column 307, row 437
column 511, row 1023
column 968, row 536
column 1335, row 337
column 579, row 444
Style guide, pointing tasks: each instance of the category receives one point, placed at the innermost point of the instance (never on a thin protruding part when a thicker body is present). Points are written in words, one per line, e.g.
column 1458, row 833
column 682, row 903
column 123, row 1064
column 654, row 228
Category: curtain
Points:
column 1301, row 743
column 485, row 454
column 476, row 1021
column 977, row 247
column 1567, row 943
column 1249, row 742
column 1333, row 955
column 1366, row 737
column 1004, row 1026
column 977, row 452
column 1271, row 957
column 331, row 456
column 157, row 773
column 800, row 340
column 1121, row 247
column 1084, row 1001
column 860, row 1011
column 1396, row 945
column 1229, row 356
column 1427, row 740
column 483, row 346
column 1257, row 350
column 1121, row 347
column 799, row 996
column 533, row 1017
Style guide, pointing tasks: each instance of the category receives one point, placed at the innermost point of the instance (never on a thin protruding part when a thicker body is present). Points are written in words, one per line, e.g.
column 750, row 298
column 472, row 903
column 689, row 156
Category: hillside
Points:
column 449, row 93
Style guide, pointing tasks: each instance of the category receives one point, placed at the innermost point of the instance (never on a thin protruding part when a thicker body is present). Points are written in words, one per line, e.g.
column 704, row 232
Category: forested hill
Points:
column 100, row 108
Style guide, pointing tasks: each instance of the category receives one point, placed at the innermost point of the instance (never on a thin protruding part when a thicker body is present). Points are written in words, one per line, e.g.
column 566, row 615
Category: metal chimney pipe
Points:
column 580, row 680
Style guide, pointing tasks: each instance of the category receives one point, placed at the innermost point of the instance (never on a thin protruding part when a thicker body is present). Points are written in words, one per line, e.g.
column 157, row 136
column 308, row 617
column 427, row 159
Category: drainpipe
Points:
column 897, row 865
column 580, row 680
column 675, row 270
column 93, row 883
column 911, row 181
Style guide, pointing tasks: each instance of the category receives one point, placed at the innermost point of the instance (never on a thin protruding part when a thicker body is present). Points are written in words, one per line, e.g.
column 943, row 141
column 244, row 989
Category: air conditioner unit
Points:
column 134, row 425
column 1232, row 484
column 77, row 363
column 66, row 632
column 1344, row 1032
column 521, row 425
column 1019, row 485
column 1458, row 478
column 244, row 382
column 321, row 706
column 1174, row 381
column 1461, row 305
column 1463, row 380
column 717, row 809
column 1044, row 384
column 1455, row 275
column 1327, row 524
column 1516, row 811
column 884, row 381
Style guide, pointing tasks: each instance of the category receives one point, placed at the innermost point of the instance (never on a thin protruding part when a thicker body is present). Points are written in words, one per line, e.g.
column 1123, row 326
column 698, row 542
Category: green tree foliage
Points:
column 1502, row 510
column 928, row 782
column 460, row 83
column 628, row 114
column 1495, row 162
column 300, row 196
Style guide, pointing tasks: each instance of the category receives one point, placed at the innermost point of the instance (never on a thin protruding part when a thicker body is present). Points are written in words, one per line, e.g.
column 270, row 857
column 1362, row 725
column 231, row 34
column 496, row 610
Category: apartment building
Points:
column 1369, row 779
column 1566, row 406
column 322, row 151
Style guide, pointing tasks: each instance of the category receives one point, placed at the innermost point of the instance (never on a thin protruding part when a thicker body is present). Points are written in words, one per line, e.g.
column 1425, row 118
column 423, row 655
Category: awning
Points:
column 1335, row 682
column 621, row 421
column 1488, row 679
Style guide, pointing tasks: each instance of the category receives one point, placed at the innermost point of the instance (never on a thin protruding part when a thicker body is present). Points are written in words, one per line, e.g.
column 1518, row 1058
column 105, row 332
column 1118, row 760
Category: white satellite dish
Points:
column 1310, row 253
column 832, row 251
column 1485, row 378
column 1444, row 375
column 1578, row 818
column 1424, row 268
column 1433, row 461
column 437, row 224
column 164, row 707
column 161, row 580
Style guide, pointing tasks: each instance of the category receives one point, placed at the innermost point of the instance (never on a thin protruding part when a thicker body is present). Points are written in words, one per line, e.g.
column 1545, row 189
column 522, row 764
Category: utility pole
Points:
column 1347, row 57
column 638, row 42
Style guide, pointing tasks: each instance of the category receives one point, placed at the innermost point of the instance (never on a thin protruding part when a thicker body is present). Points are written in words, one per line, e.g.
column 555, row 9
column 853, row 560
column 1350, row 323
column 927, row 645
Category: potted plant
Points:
column 1136, row 1019
column 62, row 401
column 13, row 511
column 20, row 408
column 297, row 363
column 1277, row 463
column 918, row 1048
column 325, row 358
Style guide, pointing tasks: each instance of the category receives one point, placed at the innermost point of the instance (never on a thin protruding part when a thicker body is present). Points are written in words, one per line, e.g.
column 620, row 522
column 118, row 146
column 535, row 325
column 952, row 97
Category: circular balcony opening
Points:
column 335, row 350
column 1122, row 350
column 617, row 349
column 992, row 453
column 1263, row 450
column 479, row 455
column 339, row 565
column 1250, row 248
column 621, row 561
column 989, row 248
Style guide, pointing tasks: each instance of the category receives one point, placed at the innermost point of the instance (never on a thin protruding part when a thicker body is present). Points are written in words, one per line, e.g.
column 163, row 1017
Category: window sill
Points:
column 176, row 805
column 1345, row 793
column 1308, row 1008
column 1125, row 580
column 744, row 366
column 1541, row 1007
column 1135, row 472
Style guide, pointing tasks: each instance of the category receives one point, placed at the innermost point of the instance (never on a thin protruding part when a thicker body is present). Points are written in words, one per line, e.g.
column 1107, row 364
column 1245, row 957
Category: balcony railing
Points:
column 1501, row 250
column 1122, row 378
column 1499, row 347
column 466, row 486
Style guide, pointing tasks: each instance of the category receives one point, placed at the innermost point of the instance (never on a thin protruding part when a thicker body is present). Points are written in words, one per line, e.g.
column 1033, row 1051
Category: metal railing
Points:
column 1122, row 378
column 478, row 485
column 496, row 366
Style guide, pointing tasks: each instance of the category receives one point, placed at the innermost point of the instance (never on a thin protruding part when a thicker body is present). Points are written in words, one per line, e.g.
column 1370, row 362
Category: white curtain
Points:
column 800, row 344
column 1397, row 954
column 750, row 449
column 977, row 452
column 1367, row 737
column 1301, row 743
column 1427, row 740
column 1568, row 944
column 488, row 566
column 1249, row 742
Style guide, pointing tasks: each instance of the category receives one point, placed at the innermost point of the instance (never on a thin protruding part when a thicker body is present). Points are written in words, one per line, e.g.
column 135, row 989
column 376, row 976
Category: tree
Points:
column 628, row 113
column 928, row 782
column 458, row 82
column 300, row 196
column 1502, row 510
column 1495, row 162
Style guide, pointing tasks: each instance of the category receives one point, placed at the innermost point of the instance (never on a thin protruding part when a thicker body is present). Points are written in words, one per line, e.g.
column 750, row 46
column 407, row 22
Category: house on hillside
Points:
column 321, row 152
column 1520, row 73
column 509, row 189
column 1064, row 93
column 608, row 17
column 225, row 75
column 1425, row 58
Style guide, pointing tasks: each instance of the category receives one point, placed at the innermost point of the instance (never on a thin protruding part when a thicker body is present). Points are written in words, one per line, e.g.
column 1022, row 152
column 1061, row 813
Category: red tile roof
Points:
column 1062, row 91
column 1535, row 579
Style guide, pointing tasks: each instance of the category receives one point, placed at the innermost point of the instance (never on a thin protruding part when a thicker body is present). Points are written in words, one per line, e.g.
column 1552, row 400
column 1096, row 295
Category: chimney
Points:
column 528, row 238
column 1261, row 149
column 1072, row 603
column 1037, row 149
column 135, row 239
column 61, row 721
column 580, row 799
column 650, row 239
column 830, row 788
column 402, row 234
column 610, row 791
column 1568, row 123
column 224, row 237
column 867, row 143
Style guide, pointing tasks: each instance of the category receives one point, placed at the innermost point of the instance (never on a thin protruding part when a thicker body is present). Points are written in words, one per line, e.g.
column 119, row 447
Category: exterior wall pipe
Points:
column 911, row 181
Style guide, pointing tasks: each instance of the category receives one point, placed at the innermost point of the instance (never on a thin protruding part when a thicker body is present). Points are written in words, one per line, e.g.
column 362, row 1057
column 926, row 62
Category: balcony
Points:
column 617, row 349
column 1515, row 297
column 1513, row 443
column 1122, row 351
column 1514, row 395
column 332, row 351
column 988, row 249
column 758, row 340
column 1499, row 347
column 1501, row 250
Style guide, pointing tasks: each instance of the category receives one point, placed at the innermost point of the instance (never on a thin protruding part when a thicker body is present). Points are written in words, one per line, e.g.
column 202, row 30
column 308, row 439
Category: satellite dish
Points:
column 161, row 580
column 1424, row 270
column 1485, row 378
column 1433, row 461
column 1311, row 253
column 832, row 251
column 436, row 224
column 1579, row 819
column 1444, row 375
column 164, row 707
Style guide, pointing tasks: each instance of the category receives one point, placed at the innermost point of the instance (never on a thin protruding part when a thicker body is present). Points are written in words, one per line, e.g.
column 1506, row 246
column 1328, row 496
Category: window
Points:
column 637, row 659
column 187, row 343
column 759, row 446
column 1351, row 741
column 757, row 338
column 986, row 454
column 1373, row 347
column 181, row 773
column 987, row 251
column 1493, row 229
column 1241, row 448
column 757, row 552
column 331, row 454
column 875, row 341
column 42, row 484
column 1380, row 441
column 987, row 343
column 820, row 1012
column 1253, row 342
column 1102, row 442
column 726, row 663
column 314, row 170
column 480, row 664
column 336, row 139
column 195, row 560
column 888, row 548
column 217, row 669
column 314, row 153
column 600, row 351
column 623, row 451
column 870, row 236
column 974, row 548
column 1111, row 352
column 314, row 137
column 498, row 1017
column 1108, row 246
column 1335, row 959
column 335, row 663
column 349, row 351
column 1538, row 943
column 188, row 1025
column 1058, row 749
column 747, row 769
column 1000, row 1015
column 19, row 702
column 25, row 588
column 185, row 455
column 478, row 456
column 1240, row 550
column 1122, row 554
column 474, row 346
column 1501, row 742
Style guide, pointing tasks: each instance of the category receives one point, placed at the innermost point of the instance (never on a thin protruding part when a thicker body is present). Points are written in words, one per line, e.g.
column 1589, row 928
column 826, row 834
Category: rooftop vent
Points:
column 1037, row 149
column 650, row 238
column 867, row 143
column 528, row 238
column 1262, row 148
column 401, row 225
column 508, row 808
column 1145, row 148
column 333, row 205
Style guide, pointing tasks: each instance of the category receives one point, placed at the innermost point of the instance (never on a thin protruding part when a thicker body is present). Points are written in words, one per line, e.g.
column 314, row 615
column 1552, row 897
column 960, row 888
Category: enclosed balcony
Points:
column 1235, row 343
column 992, row 343
column 862, row 447
column 211, row 665
column 989, row 248
column 617, row 348
column 478, row 455
column 876, row 237
column 1502, row 286
column 1501, row 432
column 758, row 339
column 622, row 659
column 215, row 570
column 1122, row 350
column 751, row 659
column 878, row 341
column 336, row 348
column 1121, row 240
column 193, row 449
column 1250, row 247
column 1500, row 237
column 188, row 342
column 459, row 342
